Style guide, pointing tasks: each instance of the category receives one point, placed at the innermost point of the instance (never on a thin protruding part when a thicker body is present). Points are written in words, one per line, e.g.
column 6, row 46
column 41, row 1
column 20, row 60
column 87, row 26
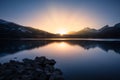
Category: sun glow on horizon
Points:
column 62, row 32
column 61, row 20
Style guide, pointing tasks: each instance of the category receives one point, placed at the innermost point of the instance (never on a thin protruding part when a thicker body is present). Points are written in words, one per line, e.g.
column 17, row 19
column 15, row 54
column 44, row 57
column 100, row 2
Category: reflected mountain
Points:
column 104, row 45
column 13, row 46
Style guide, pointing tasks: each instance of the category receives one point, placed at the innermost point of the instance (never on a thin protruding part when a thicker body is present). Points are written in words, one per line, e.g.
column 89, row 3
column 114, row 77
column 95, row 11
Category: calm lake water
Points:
column 79, row 59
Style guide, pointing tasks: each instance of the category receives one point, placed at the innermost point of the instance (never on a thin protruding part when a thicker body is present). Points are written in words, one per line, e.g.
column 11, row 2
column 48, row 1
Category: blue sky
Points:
column 43, row 13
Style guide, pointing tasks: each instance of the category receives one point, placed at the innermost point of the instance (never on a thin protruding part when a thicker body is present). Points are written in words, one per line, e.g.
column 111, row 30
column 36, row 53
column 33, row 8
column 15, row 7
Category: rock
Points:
column 50, row 62
column 58, row 71
column 40, row 59
column 59, row 77
column 40, row 68
column 43, row 76
column 56, row 75
column 27, row 60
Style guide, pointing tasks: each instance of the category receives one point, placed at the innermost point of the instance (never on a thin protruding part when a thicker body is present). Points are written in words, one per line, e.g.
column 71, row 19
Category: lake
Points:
column 79, row 59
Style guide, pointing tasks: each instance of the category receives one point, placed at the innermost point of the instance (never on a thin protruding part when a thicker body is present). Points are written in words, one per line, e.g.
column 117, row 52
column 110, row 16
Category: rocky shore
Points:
column 40, row 68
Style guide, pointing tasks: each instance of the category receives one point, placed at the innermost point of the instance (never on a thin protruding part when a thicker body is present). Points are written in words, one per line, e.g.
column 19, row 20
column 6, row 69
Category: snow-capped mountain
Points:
column 13, row 30
column 9, row 26
column 104, row 32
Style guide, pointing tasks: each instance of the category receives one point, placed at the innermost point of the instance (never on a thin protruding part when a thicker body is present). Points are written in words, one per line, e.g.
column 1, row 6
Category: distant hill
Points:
column 13, row 30
column 104, row 32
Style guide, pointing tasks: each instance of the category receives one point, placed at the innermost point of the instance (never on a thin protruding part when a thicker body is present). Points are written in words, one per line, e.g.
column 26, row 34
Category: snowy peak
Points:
column 88, row 29
column 117, row 25
column 13, row 30
column 103, row 28
column 9, row 26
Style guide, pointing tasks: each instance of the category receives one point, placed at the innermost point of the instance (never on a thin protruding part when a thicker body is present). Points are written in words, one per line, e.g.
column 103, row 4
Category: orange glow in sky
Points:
column 69, row 15
column 59, row 20
column 61, row 31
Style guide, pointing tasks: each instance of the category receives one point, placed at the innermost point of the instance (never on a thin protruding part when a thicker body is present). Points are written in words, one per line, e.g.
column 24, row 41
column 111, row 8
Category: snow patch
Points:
column 23, row 30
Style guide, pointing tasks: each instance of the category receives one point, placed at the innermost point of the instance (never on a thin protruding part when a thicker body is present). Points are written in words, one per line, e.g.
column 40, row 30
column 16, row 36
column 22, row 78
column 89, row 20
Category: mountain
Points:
column 86, row 32
column 13, row 30
column 110, row 32
column 104, row 32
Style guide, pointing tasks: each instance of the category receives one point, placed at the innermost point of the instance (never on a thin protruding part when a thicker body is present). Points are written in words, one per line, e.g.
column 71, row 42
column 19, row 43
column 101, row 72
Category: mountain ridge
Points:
column 104, row 32
column 13, row 30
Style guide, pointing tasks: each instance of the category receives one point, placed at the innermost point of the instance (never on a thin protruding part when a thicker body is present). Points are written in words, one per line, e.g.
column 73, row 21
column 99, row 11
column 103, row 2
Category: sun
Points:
column 62, row 32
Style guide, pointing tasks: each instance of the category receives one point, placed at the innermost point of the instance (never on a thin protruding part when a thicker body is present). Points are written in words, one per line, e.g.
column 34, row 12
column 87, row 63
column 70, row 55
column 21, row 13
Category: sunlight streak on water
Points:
column 76, row 58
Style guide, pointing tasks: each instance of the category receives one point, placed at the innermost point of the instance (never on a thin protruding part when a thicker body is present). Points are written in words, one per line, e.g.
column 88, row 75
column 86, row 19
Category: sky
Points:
column 61, row 15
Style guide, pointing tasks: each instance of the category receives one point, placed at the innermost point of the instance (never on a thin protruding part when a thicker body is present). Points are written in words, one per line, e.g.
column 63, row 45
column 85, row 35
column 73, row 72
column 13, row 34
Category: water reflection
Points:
column 10, row 47
column 13, row 46
column 105, row 45
column 78, row 59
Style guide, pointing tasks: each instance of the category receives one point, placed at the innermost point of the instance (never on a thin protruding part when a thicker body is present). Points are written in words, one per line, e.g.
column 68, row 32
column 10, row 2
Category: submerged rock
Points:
column 40, row 68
